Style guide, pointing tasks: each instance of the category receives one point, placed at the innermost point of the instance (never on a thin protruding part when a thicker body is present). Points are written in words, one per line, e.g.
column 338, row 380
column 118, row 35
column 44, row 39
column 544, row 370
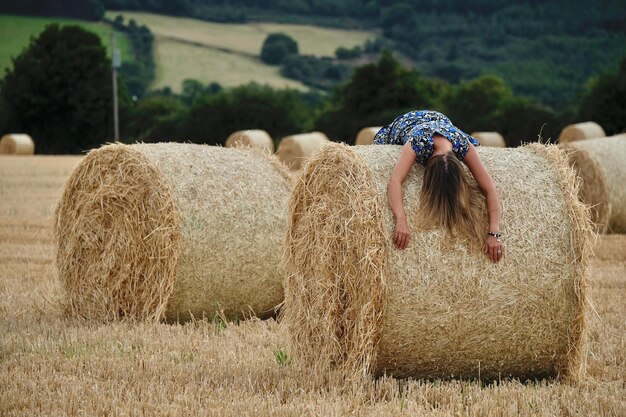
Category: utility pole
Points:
column 116, row 62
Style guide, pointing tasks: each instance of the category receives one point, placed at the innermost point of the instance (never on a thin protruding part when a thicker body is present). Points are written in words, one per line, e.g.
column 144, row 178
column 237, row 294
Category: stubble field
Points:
column 56, row 366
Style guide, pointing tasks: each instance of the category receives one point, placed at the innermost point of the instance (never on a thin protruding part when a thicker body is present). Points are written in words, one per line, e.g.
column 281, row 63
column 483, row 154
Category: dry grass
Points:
column 51, row 366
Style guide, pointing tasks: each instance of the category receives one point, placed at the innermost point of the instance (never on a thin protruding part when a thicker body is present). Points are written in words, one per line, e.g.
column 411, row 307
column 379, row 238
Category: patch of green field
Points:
column 16, row 32
column 177, row 61
column 247, row 38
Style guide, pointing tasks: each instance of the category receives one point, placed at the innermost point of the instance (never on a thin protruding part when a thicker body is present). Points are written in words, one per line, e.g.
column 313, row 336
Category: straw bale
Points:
column 17, row 144
column 172, row 231
column 253, row 138
column 439, row 309
column 581, row 131
column 294, row 150
column 593, row 189
column 490, row 139
column 366, row 135
column 610, row 153
column 611, row 248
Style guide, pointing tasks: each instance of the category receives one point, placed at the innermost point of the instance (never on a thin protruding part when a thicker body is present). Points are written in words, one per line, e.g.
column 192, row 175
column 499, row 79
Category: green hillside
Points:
column 229, row 53
column 16, row 32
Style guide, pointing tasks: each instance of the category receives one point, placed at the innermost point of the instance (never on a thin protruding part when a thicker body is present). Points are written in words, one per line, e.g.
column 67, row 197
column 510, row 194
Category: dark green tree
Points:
column 77, row 9
column 277, row 47
column 150, row 112
column 213, row 117
column 475, row 105
column 375, row 95
column 521, row 120
column 59, row 91
column 605, row 101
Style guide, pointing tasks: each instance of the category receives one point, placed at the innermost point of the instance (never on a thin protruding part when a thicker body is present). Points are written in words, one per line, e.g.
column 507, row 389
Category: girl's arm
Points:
column 493, row 246
column 394, row 195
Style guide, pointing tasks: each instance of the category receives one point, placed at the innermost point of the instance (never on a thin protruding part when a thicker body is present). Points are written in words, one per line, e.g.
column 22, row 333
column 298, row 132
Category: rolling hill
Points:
column 229, row 53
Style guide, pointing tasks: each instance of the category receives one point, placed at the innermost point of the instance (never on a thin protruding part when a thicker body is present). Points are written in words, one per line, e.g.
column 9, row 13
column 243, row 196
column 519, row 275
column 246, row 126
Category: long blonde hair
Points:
column 449, row 200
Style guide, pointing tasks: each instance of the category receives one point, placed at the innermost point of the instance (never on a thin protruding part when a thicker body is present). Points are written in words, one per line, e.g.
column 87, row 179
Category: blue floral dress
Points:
column 418, row 127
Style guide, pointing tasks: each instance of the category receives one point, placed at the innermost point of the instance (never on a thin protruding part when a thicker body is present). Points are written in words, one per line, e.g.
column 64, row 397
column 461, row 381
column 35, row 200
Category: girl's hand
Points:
column 494, row 248
column 401, row 234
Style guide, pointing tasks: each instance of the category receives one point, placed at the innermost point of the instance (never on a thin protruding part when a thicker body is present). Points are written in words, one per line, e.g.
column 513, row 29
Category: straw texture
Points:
column 593, row 189
column 294, row 150
column 254, row 138
column 171, row 231
column 610, row 154
column 490, row 139
column 17, row 144
column 581, row 131
column 437, row 309
column 366, row 135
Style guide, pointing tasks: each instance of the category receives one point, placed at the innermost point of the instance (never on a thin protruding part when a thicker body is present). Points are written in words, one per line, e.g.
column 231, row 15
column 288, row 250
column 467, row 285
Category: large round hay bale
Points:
column 366, row 135
column 253, row 138
column 174, row 231
column 490, row 139
column 581, row 131
column 294, row 150
column 593, row 189
column 17, row 144
column 439, row 308
column 610, row 153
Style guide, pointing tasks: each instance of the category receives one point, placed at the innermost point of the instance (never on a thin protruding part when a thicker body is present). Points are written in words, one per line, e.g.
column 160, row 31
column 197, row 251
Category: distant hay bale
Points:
column 611, row 248
column 593, row 189
column 253, row 138
column 610, row 153
column 366, row 135
column 438, row 309
column 17, row 144
column 296, row 149
column 581, row 131
column 172, row 231
column 490, row 139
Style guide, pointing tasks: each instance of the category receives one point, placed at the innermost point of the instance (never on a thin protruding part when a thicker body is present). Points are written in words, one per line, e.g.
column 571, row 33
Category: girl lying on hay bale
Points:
column 430, row 138
column 361, row 297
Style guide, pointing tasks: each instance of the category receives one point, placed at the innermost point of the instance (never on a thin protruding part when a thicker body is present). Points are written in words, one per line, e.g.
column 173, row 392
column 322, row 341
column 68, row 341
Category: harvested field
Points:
column 52, row 366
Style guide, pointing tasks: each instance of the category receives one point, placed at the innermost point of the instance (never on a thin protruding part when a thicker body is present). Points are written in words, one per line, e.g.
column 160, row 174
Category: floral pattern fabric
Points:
column 418, row 127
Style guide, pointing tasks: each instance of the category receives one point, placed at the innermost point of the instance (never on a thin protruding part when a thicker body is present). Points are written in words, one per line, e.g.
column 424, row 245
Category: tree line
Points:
column 72, row 113
column 544, row 50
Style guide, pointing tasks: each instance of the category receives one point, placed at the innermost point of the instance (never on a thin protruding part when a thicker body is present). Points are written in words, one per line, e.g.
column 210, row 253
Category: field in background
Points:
column 239, row 46
column 54, row 366
column 208, row 65
column 16, row 31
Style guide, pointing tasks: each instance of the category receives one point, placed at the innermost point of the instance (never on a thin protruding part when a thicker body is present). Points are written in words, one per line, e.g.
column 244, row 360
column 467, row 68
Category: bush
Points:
column 277, row 47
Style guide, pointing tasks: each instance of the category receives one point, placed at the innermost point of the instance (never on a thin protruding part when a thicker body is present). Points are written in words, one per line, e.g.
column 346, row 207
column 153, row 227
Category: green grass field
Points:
column 177, row 61
column 228, row 53
column 16, row 32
